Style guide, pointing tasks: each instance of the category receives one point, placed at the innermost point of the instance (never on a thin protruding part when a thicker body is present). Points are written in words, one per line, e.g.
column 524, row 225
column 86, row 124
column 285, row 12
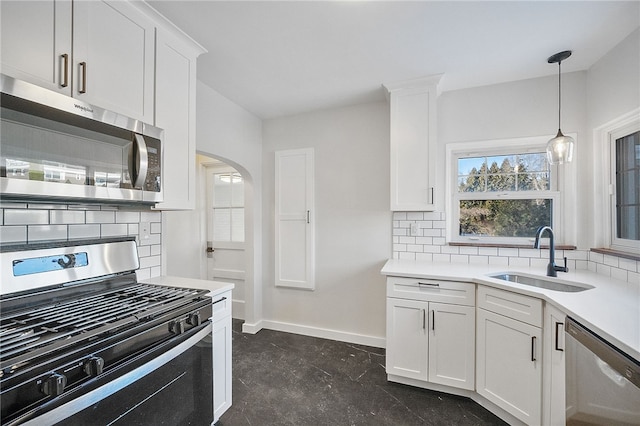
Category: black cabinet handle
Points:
column 533, row 348
column 558, row 348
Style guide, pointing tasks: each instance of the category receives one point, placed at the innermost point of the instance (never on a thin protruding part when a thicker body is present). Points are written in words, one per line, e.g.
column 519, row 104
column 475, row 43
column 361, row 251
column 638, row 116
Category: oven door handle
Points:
column 92, row 397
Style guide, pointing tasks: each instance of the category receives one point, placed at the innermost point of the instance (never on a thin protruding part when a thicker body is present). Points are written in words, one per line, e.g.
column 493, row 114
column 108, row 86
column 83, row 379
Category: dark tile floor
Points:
column 289, row 379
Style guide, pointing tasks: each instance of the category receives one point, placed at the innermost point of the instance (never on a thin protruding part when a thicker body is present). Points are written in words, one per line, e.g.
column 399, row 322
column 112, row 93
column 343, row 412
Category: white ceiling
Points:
column 283, row 58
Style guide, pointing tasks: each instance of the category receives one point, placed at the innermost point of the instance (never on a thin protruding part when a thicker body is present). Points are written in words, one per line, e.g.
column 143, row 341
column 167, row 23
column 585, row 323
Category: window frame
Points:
column 560, row 177
column 211, row 171
column 615, row 243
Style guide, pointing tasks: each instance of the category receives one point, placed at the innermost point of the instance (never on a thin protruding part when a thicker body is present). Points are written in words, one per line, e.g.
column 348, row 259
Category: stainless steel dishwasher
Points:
column 602, row 382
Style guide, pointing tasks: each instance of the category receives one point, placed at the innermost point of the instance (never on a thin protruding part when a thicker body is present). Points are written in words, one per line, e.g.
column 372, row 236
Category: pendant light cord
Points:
column 559, row 93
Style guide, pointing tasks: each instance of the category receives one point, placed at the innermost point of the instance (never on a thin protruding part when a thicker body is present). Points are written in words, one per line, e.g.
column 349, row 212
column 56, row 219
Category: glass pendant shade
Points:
column 560, row 149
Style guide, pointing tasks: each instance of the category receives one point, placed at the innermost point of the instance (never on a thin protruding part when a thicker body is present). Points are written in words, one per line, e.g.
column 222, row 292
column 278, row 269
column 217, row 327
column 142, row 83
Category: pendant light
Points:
column 560, row 148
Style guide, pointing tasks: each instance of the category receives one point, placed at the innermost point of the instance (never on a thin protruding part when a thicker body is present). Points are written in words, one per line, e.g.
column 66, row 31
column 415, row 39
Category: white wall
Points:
column 228, row 132
column 352, row 223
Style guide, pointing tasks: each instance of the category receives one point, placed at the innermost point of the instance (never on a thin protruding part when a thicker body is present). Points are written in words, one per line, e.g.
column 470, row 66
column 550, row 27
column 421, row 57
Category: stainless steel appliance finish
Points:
column 602, row 382
column 54, row 147
column 100, row 347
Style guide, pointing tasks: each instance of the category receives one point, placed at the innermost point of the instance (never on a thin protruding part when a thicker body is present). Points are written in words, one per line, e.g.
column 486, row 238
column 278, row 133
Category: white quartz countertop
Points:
column 214, row 287
column 611, row 308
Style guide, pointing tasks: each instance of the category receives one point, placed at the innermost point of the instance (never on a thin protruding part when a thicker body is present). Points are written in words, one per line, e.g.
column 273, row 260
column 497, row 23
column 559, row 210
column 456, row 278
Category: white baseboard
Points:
column 359, row 339
column 251, row 328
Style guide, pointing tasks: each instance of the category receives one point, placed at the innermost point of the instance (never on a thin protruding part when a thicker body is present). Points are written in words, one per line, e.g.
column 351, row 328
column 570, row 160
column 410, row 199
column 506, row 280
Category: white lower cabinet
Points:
column 554, row 402
column 509, row 353
column 221, row 355
column 428, row 340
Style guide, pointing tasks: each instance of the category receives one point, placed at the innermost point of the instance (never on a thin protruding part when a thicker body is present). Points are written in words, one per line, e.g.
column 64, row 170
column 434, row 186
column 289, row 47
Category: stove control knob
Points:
column 177, row 327
column 93, row 366
column 194, row 319
column 54, row 384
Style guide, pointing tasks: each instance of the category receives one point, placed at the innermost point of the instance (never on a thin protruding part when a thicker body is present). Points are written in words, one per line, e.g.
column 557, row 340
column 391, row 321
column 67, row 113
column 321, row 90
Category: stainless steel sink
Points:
column 542, row 283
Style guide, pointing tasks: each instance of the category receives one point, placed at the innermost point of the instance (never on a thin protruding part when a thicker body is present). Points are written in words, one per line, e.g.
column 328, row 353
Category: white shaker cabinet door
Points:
column 113, row 57
column 509, row 365
column 36, row 42
column 452, row 332
column 294, row 219
column 407, row 338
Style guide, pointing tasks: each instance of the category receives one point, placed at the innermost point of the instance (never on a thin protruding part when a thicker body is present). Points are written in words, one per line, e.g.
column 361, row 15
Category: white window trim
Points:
column 210, row 170
column 564, row 198
column 604, row 186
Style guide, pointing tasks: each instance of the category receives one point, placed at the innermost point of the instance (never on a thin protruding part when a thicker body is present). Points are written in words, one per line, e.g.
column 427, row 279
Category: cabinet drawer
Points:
column 222, row 308
column 513, row 305
column 454, row 292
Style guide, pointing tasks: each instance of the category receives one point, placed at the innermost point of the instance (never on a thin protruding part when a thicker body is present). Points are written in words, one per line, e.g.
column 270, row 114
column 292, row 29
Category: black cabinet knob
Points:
column 93, row 366
column 54, row 384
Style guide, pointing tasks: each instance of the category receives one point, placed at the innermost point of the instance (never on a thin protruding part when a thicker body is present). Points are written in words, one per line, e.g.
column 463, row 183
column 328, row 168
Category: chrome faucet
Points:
column 552, row 268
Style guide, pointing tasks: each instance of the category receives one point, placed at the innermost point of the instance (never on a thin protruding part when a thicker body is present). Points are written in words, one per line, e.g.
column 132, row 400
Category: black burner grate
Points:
column 45, row 327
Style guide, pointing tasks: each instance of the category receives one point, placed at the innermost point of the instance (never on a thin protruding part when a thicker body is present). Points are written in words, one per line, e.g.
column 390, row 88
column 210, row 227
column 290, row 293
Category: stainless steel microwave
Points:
column 57, row 148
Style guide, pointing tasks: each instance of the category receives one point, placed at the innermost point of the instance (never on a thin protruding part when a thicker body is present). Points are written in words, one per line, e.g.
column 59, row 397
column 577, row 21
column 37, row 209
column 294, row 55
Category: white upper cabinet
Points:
column 413, row 135
column 101, row 52
column 36, row 42
column 113, row 57
column 175, row 114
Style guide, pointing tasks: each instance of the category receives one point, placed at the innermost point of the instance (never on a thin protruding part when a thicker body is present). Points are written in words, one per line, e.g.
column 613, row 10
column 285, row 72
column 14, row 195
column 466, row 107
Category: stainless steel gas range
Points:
column 82, row 342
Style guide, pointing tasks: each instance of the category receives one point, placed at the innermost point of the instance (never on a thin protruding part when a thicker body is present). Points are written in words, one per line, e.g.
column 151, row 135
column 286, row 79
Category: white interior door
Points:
column 225, row 231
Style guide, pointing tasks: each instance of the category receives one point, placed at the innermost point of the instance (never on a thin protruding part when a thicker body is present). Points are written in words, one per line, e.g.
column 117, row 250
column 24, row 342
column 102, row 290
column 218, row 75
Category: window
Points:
column 502, row 192
column 625, row 178
column 228, row 207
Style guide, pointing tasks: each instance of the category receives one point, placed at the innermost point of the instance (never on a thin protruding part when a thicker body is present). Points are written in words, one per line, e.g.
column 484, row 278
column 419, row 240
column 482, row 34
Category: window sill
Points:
column 617, row 253
column 524, row 246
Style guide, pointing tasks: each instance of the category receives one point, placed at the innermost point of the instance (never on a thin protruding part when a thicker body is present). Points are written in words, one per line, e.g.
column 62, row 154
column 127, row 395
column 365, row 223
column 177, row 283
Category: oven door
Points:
column 602, row 383
column 170, row 384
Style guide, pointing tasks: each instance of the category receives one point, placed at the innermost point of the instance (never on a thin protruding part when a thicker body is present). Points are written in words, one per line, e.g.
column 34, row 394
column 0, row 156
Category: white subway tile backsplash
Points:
column 469, row 250
column 529, row 252
column 415, row 216
column 46, row 232
column 619, row 274
column 101, row 216
column 459, row 258
column 57, row 217
column 603, row 269
column 148, row 262
column 13, row 234
column 611, row 261
column 496, row 260
column 508, row 252
column 399, row 215
column 415, row 248
column 488, row 251
column 628, row 265
column 21, row 223
column 433, row 216
column 156, row 227
column 424, row 240
column 582, row 264
column 596, row 257
column 406, row 255
column 407, row 240
column 479, row 260
column 424, row 257
column 400, row 247
column 113, row 229
column 442, row 258
column 84, row 231
column 519, row 261
column 127, row 217
column 26, row 217
column 156, row 249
